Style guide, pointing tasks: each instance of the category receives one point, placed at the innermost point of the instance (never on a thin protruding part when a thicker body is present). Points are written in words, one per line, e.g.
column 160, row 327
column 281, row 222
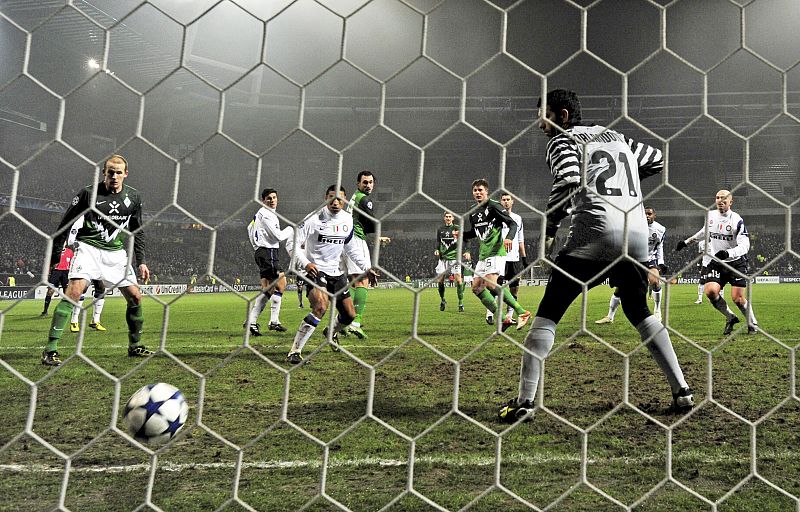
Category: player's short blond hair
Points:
column 118, row 158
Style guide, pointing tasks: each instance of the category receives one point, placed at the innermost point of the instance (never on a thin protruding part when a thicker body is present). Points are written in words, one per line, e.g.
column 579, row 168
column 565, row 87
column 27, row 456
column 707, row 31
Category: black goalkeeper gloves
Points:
column 681, row 246
column 723, row 255
column 663, row 269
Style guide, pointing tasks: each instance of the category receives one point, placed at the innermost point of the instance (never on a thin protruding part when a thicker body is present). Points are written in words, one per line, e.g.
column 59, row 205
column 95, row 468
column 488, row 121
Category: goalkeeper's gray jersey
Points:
column 614, row 166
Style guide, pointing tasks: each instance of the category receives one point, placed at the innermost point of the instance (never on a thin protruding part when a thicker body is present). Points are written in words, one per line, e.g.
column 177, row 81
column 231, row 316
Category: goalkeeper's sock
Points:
column 359, row 302
column 307, row 327
column 460, row 293
column 60, row 316
column 134, row 316
column 441, row 290
column 660, row 347
column 275, row 308
column 539, row 341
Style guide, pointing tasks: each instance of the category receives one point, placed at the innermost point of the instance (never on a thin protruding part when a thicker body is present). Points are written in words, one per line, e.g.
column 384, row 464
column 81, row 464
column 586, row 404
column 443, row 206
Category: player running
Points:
column 487, row 220
column 101, row 254
column 321, row 239
column 516, row 258
column 599, row 206
column 448, row 264
column 729, row 242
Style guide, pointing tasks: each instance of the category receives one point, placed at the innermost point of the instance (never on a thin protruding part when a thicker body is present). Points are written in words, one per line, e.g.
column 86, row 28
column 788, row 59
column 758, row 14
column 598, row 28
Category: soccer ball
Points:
column 155, row 413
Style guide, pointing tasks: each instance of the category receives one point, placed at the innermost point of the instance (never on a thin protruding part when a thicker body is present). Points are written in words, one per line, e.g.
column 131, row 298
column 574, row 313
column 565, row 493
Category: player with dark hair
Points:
column 321, row 239
column 101, row 253
column 487, row 220
column 516, row 258
column 655, row 268
column 729, row 243
column 448, row 265
column 605, row 207
column 362, row 209
column 266, row 235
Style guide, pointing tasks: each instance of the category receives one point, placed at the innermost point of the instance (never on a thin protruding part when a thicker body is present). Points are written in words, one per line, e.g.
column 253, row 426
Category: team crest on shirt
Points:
column 127, row 202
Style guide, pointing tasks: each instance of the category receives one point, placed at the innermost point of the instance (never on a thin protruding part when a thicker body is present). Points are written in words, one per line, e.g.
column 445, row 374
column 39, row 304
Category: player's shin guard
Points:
column 613, row 305
column 748, row 313
column 359, row 303
column 657, row 298
column 509, row 299
column 60, row 316
column 660, row 347
column 76, row 311
column 487, row 299
column 134, row 316
column 275, row 307
column 539, row 341
column 307, row 327
column 722, row 306
column 99, row 303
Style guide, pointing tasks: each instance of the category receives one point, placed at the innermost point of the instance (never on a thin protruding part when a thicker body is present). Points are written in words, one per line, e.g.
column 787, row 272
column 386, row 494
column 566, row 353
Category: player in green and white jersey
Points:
column 447, row 252
column 101, row 255
column 487, row 220
column 361, row 207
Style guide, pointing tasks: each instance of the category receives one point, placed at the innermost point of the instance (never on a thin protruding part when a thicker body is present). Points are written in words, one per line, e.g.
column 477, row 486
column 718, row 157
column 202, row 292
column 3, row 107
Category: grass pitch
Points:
column 406, row 419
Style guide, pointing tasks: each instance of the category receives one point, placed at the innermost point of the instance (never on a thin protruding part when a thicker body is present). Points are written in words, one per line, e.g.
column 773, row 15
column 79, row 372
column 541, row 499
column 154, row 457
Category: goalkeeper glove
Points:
column 372, row 276
column 549, row 242
column 681, row 246
column 663, row 269
column 723, row 255
column 524, row 261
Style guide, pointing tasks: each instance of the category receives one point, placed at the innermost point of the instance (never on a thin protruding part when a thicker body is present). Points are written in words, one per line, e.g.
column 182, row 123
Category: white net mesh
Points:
column 212, row 101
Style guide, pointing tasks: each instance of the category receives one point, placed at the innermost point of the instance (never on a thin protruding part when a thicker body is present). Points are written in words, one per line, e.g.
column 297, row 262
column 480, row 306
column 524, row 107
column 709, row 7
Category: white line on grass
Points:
column 465, row 461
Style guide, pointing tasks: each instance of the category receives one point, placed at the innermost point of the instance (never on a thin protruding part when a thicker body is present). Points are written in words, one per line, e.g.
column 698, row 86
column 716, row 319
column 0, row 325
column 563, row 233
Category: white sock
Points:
column 76, row 311
column 657, row 298
column 660, row 347
column 275, row 308
column 98, row 309
column 539, row 341
column 747, row 311
column 700, row 292
column 304, row 332
column 258, row 306
column 613, row 305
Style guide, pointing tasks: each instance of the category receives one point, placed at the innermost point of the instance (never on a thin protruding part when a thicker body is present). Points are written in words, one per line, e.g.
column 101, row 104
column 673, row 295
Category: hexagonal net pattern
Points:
column 214, row 103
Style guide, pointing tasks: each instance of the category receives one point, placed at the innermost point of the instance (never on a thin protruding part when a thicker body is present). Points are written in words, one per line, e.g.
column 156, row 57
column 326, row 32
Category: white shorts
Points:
column 360, row 246
column 111, row 267
column 447, row 267
column 468, row 279
column 491, row 265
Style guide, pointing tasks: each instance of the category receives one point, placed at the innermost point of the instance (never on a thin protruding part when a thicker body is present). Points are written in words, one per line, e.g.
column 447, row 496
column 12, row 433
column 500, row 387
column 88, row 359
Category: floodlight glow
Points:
column 93, row 64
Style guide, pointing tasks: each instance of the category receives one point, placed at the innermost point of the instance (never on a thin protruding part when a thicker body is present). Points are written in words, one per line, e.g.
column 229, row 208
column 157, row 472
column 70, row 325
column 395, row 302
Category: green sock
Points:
column 487, row 299
column 509, row 299
column 359, row 302
column 60, row 317
column 135, row 318
column 441, row 291
column 460, row 292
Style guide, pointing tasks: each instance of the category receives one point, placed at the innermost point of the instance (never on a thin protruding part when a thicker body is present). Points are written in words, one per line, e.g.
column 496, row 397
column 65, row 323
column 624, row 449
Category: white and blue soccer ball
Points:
column 155, row 413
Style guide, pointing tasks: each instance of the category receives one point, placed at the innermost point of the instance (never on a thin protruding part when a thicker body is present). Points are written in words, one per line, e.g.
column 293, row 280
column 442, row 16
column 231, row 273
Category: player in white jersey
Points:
column 516, row 257
column 321, row 239
column 266, row 235
column 655, row 268
column 596, row 173
column 729, row 243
